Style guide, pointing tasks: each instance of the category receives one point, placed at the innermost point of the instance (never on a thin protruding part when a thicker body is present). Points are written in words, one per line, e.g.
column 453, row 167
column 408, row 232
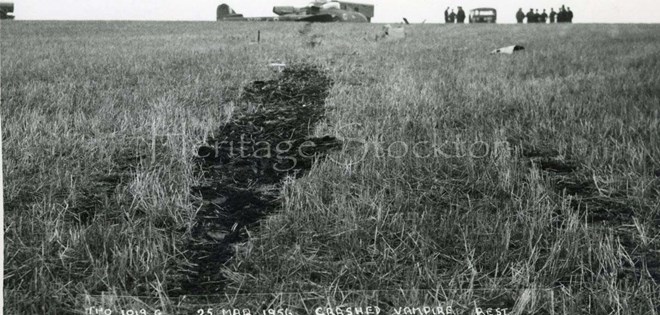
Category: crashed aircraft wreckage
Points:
column 508, row 50
column 317, row 11
column 6, row 10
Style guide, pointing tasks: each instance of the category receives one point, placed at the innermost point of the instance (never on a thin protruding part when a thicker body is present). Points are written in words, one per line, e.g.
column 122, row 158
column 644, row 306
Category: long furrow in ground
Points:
column 245, row 164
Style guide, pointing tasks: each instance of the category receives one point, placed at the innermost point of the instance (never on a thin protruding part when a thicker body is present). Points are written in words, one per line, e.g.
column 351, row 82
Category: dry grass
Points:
column 101, row 120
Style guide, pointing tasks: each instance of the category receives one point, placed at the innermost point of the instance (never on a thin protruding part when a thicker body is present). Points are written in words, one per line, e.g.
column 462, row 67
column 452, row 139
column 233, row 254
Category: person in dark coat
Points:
column 520, row 16
column 561, row 16
column 553, row 15
column 544, row 17
column 537, row 16
column 447, row 15
column 452, row 16
column 569, row 15
column 530, row 16
column 460, row 16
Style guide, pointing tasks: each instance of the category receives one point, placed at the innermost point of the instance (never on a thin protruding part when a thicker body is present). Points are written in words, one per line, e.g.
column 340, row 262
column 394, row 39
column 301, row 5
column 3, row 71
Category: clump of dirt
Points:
column 245, row 165
column 573, row 185
column 601, row 209
column 532, row 152
column 555, row 165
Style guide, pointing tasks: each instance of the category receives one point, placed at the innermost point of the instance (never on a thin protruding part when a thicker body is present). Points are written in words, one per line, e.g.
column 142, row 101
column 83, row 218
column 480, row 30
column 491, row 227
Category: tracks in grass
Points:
column 604, row 210
column 245, row 165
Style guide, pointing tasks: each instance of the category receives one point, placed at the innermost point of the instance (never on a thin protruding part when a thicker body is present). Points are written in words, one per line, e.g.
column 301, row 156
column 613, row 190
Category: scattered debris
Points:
column 277, row 66
column 314, row 40
column 305, row 29
column 217, row 235
column 508, row 50
column 392, row 33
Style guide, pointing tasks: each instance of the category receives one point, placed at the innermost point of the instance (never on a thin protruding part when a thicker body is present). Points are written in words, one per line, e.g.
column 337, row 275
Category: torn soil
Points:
column 245, row 165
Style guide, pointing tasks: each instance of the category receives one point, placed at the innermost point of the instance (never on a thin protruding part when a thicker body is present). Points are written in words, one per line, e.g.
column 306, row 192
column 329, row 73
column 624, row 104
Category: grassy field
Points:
column 525, row 182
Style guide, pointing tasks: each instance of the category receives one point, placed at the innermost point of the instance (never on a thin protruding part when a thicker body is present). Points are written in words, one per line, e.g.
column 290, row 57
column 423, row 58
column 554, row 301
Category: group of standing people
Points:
column 452, row 17
column 565, row 15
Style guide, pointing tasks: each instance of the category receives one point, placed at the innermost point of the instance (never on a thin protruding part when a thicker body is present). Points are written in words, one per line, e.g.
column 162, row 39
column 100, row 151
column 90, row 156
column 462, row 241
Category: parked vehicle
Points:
column 483, row 15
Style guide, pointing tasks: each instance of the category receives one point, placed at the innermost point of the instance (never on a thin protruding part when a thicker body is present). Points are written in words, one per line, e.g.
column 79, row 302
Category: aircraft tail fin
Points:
column 224, row 12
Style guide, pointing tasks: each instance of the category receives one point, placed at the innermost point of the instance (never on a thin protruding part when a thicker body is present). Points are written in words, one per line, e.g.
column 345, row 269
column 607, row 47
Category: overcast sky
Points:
column 586, row 11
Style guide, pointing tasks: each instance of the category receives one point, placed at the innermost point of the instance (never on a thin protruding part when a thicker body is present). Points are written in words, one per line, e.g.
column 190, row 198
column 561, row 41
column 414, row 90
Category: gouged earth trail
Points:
column 245, row 165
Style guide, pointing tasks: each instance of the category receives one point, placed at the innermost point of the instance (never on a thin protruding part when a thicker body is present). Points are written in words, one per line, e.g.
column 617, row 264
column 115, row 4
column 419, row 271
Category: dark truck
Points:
column 483, row 15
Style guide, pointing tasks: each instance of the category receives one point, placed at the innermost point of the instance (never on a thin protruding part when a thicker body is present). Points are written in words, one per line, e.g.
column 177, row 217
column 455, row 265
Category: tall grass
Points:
column 101, row 120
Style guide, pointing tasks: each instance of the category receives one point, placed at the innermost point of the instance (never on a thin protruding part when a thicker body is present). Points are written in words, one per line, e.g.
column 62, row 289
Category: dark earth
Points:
column 245, row 165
